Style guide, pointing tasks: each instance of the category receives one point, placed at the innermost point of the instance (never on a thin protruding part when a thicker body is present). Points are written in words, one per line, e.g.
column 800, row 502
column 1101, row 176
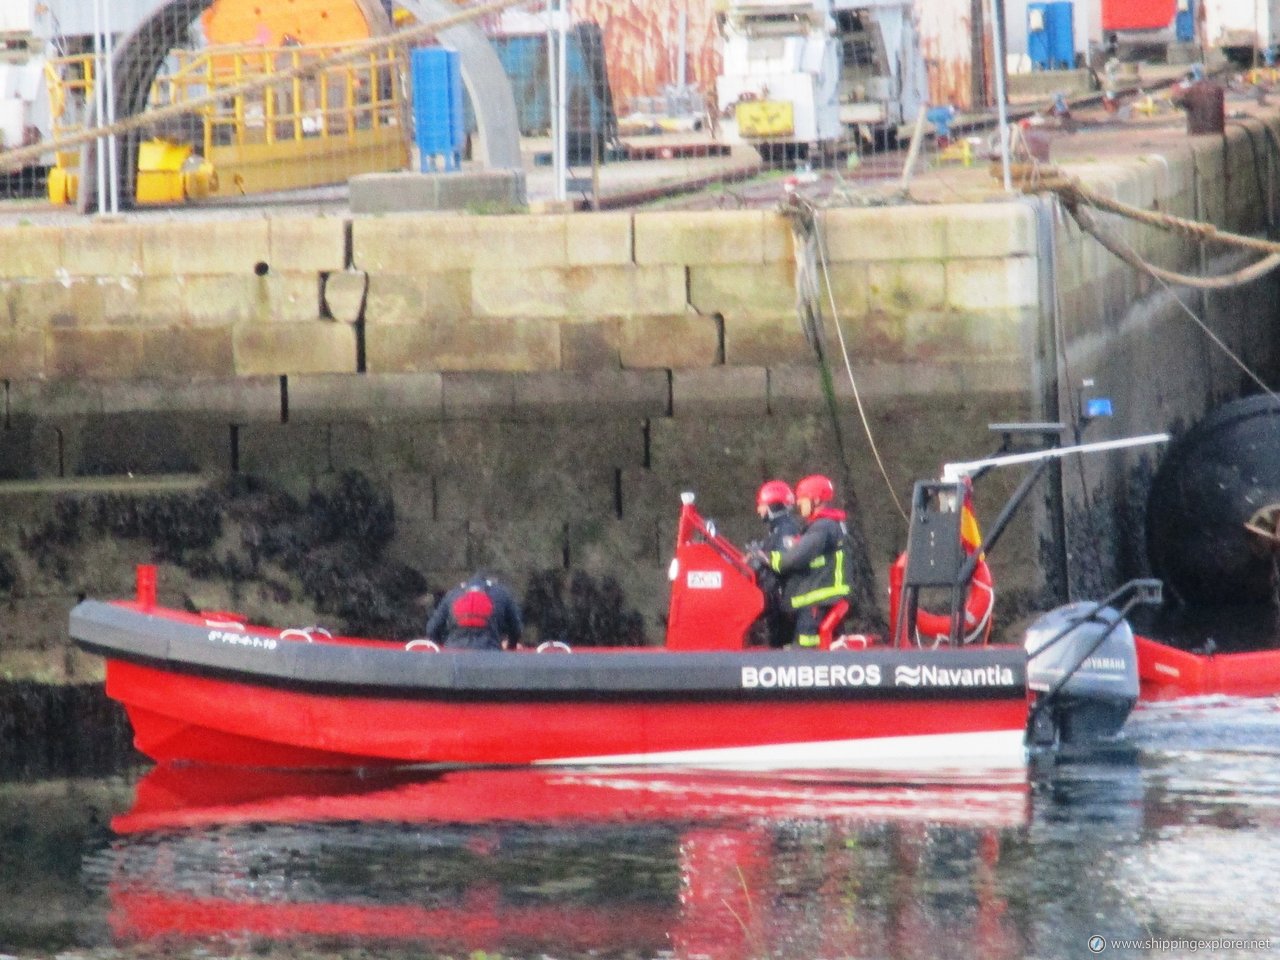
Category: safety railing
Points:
column 314, row 127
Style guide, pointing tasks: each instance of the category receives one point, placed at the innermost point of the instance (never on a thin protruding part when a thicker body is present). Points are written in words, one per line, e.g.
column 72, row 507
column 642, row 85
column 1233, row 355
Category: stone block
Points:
column 230, row 398
column 1003, row 229
column 306, row 244
column 477, row 394
column 680, row 340
column 147, row 443
column 102, row 353
column 527, row 542
column 287, row 297
column 102, row 249
column 284, row 449
column 21, row 354
column 590, row 344
column 425, row 539
column 39, row 304
column 190, row 352
column 224, row 301
column 483, row 344
column 994, row 284
column 344, row 294
column 885, row 233
column 321, row 346
column 598, row 239
column 735, row 391
column 519, row 242
column 754, row 340
column 779, row 240
column 616, row 291
column 144, row 301
column 178, row 247
column 520, row 293
column 591, row 395
column 901, row 286
column 30, row 251
column 54, row 399
column 767, row 289
column 993, row 333
column 439, row 297
column 798, row 389
column 412, row 244
column 850, row 288
column 382, row 396
column 396, row 443
column 700, row 237
column 351, row 445
column 402, row 191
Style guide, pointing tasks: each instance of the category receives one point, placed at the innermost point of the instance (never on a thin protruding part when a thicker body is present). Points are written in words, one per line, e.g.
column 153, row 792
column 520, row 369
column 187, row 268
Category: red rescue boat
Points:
column 214, row 689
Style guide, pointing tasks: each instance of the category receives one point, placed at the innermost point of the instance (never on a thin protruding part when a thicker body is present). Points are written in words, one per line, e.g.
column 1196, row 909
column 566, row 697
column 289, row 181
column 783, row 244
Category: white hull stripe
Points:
column 989, row 750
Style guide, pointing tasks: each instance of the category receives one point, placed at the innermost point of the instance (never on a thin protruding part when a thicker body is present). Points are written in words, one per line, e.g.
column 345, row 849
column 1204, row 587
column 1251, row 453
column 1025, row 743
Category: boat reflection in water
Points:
column 566, row 862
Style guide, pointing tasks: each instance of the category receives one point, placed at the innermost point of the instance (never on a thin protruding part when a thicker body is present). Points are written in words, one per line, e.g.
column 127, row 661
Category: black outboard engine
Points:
column 1082, row 666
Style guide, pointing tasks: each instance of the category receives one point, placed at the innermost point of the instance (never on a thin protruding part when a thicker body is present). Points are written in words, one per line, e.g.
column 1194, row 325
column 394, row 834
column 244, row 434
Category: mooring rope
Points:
column 1078, row 199
column 356, row 51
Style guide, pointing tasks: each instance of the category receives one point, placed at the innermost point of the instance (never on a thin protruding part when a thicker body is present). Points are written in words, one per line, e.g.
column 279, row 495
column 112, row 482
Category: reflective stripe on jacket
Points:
column 815, row 567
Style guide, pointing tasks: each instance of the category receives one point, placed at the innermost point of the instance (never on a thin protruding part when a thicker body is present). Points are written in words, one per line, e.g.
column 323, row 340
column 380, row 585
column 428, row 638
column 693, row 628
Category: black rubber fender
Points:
column 1212, row 481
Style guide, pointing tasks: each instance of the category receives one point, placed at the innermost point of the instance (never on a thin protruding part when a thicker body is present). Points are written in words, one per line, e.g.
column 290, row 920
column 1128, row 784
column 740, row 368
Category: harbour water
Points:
column 1167, row 844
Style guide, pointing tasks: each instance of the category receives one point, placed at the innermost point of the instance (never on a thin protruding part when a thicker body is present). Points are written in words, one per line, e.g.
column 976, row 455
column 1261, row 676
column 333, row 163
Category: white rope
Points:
column 848, row 365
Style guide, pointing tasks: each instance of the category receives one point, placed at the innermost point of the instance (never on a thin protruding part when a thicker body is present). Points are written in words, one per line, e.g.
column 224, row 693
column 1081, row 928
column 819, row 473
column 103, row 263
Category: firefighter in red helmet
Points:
column 815, row 568
column 775, row 503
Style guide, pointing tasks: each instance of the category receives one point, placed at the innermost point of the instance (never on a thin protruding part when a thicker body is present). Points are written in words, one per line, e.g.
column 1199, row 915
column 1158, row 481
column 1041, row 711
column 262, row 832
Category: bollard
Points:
column 1205, row 103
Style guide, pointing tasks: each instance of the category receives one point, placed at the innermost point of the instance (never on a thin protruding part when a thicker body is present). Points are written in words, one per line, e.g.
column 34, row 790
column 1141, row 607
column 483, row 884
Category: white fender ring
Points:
column 553, row 646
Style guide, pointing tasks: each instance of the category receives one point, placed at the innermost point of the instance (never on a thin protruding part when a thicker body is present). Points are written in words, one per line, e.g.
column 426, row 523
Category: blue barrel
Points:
column 437, row 108
column 1062, row 41
column 1184, row 22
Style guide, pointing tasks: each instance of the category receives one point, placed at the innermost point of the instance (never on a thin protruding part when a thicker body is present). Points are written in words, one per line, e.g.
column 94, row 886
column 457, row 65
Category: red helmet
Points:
column 817, row 488
column 775, row 492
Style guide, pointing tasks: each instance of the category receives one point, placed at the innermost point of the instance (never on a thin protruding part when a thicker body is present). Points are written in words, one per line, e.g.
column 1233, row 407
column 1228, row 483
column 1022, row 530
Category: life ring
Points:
column 935, row 628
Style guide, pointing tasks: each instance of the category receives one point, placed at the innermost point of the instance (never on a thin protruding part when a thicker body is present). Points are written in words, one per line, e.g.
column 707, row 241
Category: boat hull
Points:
column 249, row 697
column 1166, row 673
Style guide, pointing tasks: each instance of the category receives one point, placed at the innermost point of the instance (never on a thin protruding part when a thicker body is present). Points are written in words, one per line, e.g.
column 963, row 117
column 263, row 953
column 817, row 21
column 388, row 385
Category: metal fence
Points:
column 615, row 101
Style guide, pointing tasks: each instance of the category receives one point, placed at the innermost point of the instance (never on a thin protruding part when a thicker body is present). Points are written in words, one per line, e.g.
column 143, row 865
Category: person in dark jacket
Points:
column 814, row 568
column 477, row 614
column 775, row 503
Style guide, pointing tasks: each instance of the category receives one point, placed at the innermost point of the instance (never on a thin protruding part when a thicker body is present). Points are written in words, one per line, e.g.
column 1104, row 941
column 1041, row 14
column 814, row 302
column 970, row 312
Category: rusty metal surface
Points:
column 946, row 33
column 641, row 41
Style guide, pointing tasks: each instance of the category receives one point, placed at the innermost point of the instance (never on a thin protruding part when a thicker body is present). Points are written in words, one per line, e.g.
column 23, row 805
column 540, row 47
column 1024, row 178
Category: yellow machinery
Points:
column 319, row 128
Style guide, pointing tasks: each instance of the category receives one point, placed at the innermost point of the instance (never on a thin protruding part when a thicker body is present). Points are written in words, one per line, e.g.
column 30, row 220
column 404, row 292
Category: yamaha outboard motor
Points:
column 1082, row 666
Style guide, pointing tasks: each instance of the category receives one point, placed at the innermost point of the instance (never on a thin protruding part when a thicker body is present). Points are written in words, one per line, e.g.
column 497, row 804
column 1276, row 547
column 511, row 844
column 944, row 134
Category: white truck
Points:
column 1245, row 30
column 24, row 99
column 815, row 76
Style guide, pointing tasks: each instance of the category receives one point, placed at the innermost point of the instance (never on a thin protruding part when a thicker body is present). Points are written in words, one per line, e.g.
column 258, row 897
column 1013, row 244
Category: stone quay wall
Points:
column 535, row 391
